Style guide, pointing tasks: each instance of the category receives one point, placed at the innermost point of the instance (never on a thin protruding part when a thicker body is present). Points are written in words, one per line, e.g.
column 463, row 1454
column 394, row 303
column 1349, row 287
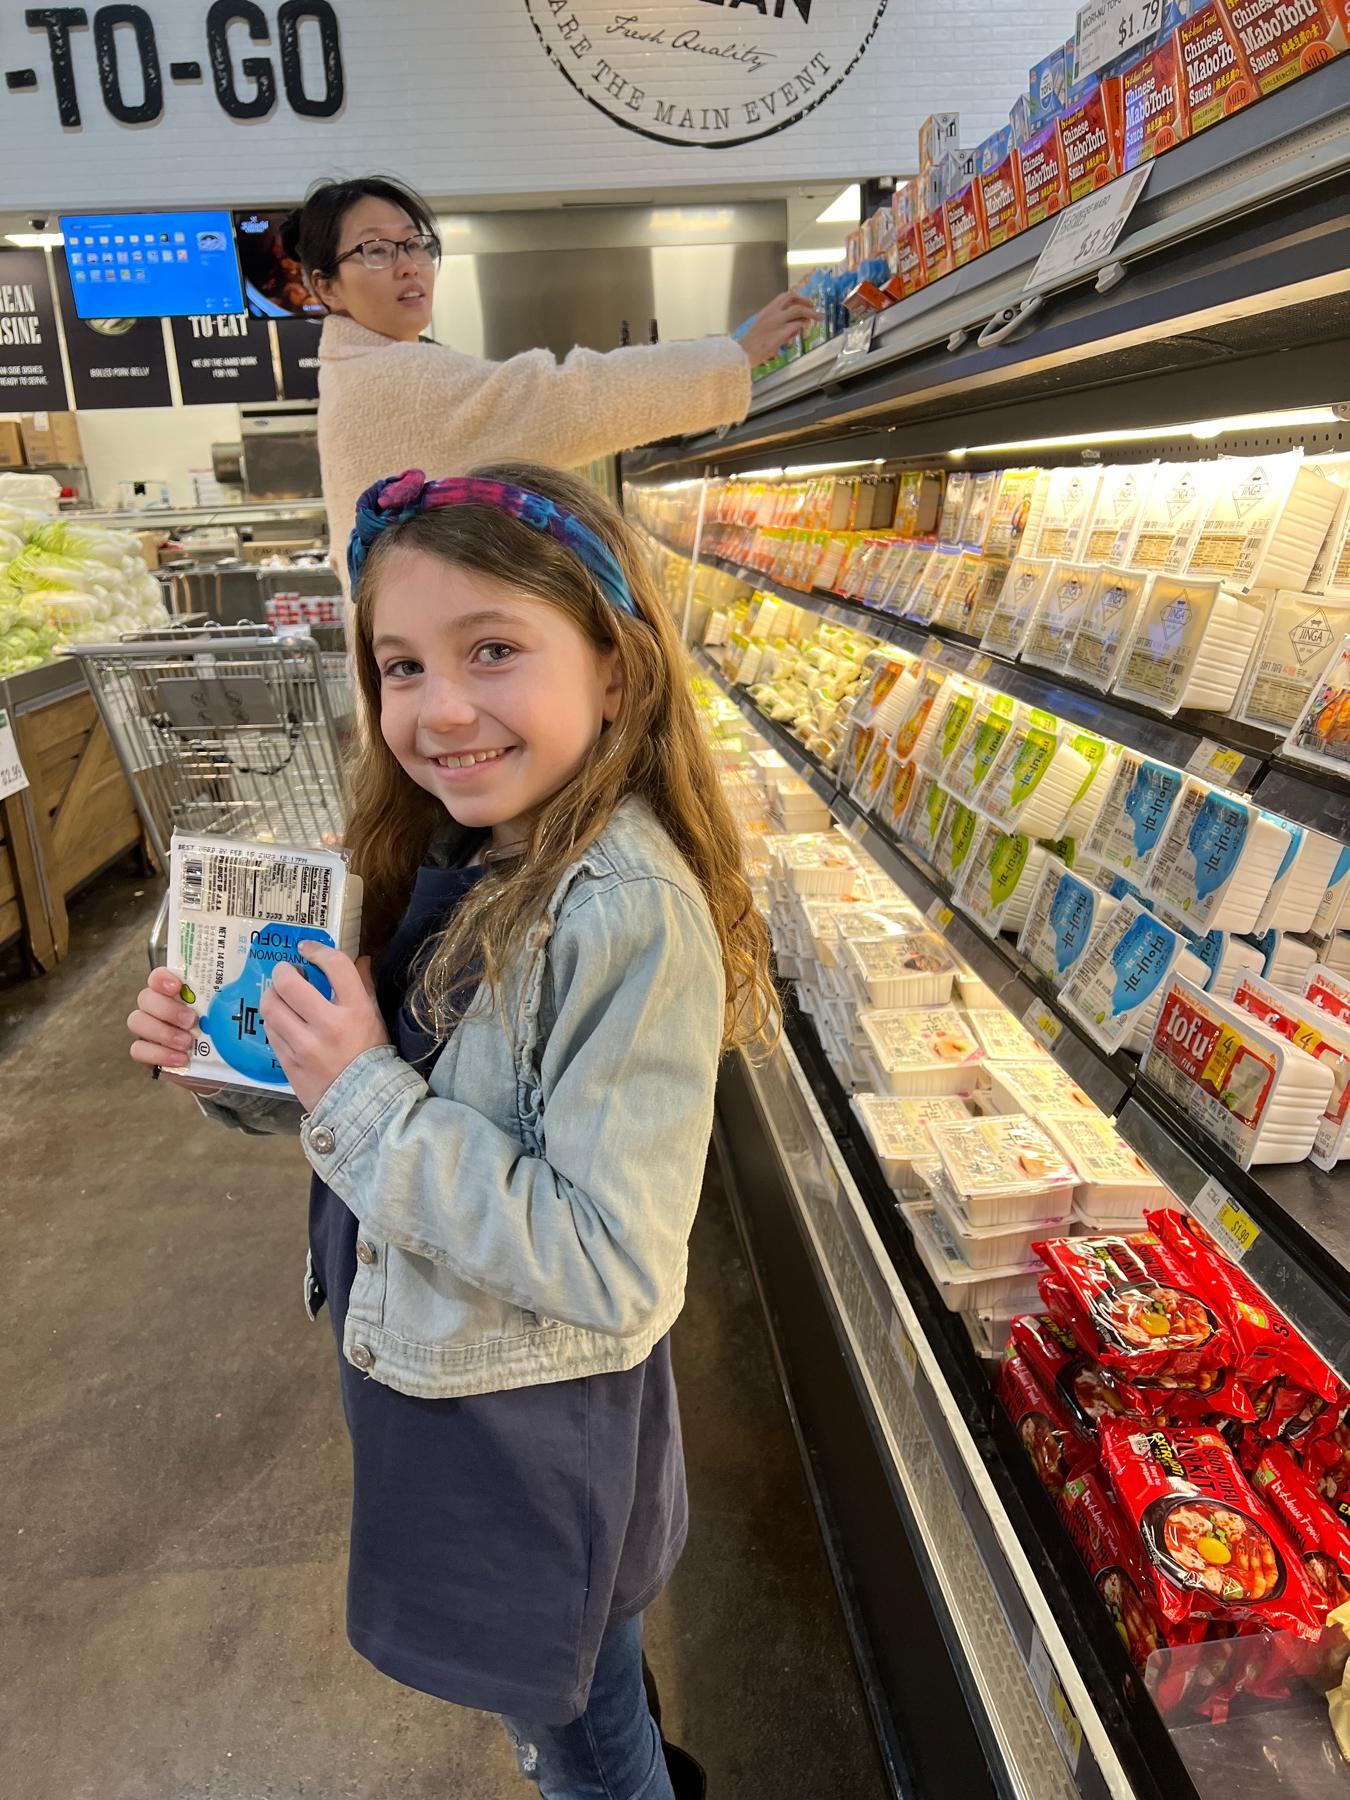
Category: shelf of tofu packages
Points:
column 1196, row 611
column 1019, row 1188
column 1164, row 950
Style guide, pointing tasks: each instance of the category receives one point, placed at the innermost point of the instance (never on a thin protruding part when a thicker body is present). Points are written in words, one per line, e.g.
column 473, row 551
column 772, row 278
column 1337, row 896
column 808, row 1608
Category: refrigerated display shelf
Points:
column 1318, row 798
column 1290, row 1224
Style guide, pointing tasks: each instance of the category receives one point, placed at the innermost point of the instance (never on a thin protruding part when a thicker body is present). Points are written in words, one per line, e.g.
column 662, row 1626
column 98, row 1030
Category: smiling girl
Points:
column 508, row 1123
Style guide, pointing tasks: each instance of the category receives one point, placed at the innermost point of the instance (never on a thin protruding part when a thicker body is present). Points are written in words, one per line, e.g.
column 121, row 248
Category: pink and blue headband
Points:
column 399, row 497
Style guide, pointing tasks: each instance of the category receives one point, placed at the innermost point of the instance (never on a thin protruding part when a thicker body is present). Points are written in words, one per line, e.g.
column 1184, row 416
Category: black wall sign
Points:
column 298, row 342
column 31, row 377
column 135, row 69
column 113, row 362
column 224, row 357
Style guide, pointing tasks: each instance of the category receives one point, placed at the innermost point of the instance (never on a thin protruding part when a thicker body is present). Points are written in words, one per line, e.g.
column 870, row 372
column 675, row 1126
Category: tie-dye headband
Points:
column 399, row 497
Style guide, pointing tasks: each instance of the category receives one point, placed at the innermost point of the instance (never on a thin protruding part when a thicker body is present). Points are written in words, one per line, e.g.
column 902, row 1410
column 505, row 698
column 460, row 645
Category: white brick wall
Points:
column 458, row 97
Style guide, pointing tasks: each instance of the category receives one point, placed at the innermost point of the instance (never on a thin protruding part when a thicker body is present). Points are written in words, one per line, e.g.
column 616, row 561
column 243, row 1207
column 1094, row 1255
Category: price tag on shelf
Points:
column 979, row 666
column 1235, row 1230
column 1060, row 1716
column 12, row 777
column 1107, row 28
column 855, row 343
column 905, row 1353
column 1043, row 1025
column 1085, row 233
column 1215, row 761
column 940, row 914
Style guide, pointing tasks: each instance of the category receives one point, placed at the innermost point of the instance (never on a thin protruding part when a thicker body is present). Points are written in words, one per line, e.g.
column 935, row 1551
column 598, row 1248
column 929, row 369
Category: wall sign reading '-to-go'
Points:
column 128, row 52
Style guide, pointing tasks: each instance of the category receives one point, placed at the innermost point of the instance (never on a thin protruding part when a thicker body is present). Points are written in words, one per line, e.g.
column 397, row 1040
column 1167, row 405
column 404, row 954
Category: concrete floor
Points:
column 172, row 1551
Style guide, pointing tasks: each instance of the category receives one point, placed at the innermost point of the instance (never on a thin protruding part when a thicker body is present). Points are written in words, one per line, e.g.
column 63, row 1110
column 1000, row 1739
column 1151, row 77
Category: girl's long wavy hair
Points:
column 654, row 750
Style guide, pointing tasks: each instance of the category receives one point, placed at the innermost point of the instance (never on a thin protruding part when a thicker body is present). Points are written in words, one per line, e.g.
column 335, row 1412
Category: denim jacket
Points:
column 525, row 1209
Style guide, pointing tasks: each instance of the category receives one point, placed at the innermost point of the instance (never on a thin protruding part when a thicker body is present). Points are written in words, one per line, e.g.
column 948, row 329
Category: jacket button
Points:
column 321, row 1140
column 361, row 1357
column 365, row 1252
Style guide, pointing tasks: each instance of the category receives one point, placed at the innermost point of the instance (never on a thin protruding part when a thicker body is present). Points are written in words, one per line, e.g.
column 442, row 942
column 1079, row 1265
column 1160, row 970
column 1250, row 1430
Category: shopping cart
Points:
column 229, row 730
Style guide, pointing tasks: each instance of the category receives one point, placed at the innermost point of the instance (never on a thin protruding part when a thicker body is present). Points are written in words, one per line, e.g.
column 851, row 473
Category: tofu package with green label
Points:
column 237, row 911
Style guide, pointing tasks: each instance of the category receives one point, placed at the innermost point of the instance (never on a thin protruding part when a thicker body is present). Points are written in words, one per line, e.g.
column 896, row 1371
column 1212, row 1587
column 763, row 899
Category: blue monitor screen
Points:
column 153, row 265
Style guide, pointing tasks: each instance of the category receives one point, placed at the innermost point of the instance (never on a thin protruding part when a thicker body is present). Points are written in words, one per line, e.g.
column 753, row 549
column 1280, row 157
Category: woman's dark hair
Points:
column 312, row 233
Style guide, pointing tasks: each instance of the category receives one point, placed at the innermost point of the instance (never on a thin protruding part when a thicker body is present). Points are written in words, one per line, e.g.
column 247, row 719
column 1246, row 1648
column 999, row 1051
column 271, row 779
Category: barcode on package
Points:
column 247, row 887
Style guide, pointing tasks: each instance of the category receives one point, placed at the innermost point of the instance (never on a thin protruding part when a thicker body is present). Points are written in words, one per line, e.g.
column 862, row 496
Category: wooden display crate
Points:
column 75, row 817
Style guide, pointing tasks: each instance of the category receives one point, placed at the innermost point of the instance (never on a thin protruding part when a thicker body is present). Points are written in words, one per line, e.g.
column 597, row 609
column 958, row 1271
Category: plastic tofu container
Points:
column 1038, row 1089
column 1300, row 882
column 909, row 970
column 897, row 1131
column 1004, row 1038
column 1001, row 1170
column 1113, row 1182
column 821, row 864
column 919, row 1055
column 962, row 1288
column 988, row 1247
column 1217, row 860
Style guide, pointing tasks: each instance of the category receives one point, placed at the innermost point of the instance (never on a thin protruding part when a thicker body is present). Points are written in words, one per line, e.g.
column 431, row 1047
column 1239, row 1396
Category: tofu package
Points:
column 236, row 911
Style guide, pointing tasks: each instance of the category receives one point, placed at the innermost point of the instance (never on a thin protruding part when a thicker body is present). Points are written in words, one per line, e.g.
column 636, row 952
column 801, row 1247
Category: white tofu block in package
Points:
column 1011, row 619
column 1300, row 883
column 897, row 1131
column 1266, row 520
column 1106, row 623
column 1191, row 643
column 1063, row 600
column 1217, row 861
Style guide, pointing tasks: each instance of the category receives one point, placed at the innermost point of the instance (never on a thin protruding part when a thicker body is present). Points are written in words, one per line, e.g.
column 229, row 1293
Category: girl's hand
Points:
column 163, row 1025
column 315, row 1039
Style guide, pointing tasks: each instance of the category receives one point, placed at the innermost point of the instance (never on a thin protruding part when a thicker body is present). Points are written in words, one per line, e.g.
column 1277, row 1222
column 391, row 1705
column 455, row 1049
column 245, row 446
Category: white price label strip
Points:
column 1043, row 1025
column 1107, row 28
column 1064, row 1726
column 1085, row 233
column 940, row 914
column 12, row 777
column 1234, row 1229
column 906, row 1355
column 1215, row 760
column 856, row 342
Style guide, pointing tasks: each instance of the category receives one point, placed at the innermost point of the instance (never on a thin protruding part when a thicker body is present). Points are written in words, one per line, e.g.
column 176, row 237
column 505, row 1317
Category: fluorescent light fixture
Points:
column 691, row 218
column 35, row 240
column 845, row 209
column 1198, row 428
column 866, row 462
column 756, row 474
column 800, row 258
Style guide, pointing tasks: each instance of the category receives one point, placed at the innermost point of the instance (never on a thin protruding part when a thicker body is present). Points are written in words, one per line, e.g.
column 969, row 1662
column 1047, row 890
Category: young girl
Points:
column 508, row 1123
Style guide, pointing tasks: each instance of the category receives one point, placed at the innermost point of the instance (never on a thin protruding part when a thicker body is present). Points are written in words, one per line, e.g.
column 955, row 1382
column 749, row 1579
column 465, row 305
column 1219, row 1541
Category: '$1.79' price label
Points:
column 1106, row 28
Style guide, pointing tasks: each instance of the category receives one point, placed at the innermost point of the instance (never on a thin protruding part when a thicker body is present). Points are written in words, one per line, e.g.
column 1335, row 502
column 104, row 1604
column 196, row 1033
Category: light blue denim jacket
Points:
column 525, row 1209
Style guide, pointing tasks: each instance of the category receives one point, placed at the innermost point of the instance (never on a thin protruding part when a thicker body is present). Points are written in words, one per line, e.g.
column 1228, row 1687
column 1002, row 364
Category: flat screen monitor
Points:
column 274, row 283
column 152, row 265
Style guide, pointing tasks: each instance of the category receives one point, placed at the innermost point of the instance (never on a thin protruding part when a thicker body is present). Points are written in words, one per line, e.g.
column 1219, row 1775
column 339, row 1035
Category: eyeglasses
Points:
column 383, row 253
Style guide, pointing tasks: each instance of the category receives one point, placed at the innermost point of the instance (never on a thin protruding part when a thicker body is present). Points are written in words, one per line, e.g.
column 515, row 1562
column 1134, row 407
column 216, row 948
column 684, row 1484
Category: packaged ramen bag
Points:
column 1137, row 1298
column 1082, row 1387
column 1114, row 1558
column 1321, row 1534
column 1058, row 1451
column 1214, row 1549
column 1264, row 1341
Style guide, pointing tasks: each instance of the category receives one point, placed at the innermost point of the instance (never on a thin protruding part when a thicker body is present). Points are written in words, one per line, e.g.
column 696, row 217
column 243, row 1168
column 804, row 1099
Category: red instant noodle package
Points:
column 1322, row 1536
column 1107, row 1544
column 1214, row 1549
column 1264, row 1342
column 1047, row 1433
column 1327, row 1461
column 1085, row 1390
column 1136, row 1296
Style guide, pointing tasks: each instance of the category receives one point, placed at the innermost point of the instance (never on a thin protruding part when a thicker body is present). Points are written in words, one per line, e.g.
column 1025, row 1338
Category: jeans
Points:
column 613, row 1751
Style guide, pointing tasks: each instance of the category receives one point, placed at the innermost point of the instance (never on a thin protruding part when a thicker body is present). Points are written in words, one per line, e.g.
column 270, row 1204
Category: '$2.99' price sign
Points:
column 1086, row 232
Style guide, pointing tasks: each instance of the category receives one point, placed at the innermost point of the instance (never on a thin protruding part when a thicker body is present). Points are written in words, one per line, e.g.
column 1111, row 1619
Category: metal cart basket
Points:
column 229, row 730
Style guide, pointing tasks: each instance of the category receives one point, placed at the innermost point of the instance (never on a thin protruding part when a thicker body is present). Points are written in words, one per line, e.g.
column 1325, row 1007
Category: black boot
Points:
column 686, row 1776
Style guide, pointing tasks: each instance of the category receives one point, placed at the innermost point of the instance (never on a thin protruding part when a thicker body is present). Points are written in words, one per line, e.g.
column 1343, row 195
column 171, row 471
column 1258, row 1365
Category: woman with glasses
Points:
column 389, row 401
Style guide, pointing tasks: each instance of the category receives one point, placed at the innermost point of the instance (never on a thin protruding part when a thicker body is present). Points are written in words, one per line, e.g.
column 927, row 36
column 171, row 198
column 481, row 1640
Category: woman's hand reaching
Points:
column 776, row 325
column 315, row 1039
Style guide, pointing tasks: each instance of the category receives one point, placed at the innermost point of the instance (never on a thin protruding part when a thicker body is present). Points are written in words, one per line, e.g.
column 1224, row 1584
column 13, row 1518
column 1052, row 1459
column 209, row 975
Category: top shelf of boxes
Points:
column 1198, row 612
column 1233, row 257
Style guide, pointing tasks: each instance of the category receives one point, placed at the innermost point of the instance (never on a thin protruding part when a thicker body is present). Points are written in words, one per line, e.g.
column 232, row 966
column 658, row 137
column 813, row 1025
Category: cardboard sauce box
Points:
column 1089, row 137
column 910, row 273
column 965, row 225
column 11, row 445
column 1005, row 212
column 1215, row 79
column 905, row 205
column 993, row 150
column 1283, row 39
column 938, row 135
column 1019, row 121
column 1153, row 113
column 1042, row 164
column 937, row 244
column 52, row 437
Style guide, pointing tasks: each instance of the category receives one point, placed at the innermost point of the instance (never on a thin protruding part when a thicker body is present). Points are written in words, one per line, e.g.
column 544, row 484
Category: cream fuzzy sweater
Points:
column 386, row 406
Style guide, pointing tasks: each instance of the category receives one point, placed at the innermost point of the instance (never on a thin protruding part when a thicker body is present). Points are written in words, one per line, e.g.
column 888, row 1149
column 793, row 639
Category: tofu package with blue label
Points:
column 237, row 911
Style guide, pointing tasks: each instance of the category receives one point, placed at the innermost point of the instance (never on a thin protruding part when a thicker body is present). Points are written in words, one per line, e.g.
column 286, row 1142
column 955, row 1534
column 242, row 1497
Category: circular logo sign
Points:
column 712, row 73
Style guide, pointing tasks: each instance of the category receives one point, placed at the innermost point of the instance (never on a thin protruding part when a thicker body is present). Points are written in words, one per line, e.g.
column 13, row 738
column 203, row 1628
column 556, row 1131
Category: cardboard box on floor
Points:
column 52, row 438
column 11, row 445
